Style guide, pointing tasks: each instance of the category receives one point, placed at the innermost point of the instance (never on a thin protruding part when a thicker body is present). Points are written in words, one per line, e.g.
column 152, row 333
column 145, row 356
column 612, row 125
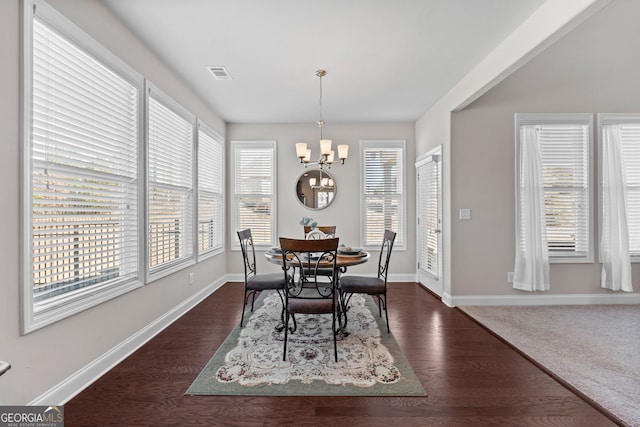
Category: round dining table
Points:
column 342, row 262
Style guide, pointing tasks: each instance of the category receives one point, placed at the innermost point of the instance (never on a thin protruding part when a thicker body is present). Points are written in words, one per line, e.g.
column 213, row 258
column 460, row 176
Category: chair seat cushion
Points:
column 261, row 282
column 362, row 285
column 310, row 306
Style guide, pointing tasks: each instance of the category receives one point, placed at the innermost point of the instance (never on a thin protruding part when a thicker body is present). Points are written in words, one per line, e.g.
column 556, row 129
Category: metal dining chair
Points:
column 374, row 286
column 254, row 282
column 308, row 292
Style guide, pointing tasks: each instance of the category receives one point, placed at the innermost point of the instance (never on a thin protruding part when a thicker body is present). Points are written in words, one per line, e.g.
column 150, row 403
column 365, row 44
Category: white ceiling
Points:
column 386, row 60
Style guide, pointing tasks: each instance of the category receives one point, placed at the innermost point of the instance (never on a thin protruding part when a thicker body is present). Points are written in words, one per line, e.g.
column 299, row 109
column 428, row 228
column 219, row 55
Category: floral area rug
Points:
column 249, row 362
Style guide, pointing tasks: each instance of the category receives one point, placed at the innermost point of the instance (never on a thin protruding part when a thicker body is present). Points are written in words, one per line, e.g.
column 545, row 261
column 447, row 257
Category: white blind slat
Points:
column 254, row 190
column 564, row 153
column 428, row 208
column 170, row 190
column 210, row 188
column 383, row 193
column 84, row 168
column 630, row 139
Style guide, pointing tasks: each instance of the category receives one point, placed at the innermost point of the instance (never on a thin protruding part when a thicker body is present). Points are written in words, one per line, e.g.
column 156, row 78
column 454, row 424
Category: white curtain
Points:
column 531, row 272
column 614, row 236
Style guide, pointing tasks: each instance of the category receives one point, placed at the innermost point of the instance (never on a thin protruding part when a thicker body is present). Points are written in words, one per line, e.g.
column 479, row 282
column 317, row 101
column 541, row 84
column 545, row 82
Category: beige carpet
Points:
column 594, row 348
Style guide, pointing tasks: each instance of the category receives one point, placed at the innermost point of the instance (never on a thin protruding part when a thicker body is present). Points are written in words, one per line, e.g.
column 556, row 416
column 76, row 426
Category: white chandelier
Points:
column 327, row 155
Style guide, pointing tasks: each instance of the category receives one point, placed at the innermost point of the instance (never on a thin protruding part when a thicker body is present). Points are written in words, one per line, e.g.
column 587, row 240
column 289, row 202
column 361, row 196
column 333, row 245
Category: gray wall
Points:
column 594, row 69
column 344, row 212
column 47, row 356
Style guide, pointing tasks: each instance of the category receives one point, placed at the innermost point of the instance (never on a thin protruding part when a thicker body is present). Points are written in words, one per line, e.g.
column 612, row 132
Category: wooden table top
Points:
column 343, row 260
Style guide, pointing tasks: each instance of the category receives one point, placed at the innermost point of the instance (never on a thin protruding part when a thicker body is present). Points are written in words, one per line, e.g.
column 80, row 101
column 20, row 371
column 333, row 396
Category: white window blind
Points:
column 82, row 156
column 170, row 183
column 383, row 205
column 629, row 125
column 210, row 191
column 428, row 215
column 564, row 141
column 631, row 152
column 254, row 188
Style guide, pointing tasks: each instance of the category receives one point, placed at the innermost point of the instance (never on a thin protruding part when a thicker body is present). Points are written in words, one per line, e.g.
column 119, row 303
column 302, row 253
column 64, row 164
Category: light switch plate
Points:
column 465, row 213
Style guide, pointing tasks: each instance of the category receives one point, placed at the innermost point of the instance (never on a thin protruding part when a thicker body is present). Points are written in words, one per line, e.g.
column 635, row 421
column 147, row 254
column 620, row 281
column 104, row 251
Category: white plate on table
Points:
column 352, row 252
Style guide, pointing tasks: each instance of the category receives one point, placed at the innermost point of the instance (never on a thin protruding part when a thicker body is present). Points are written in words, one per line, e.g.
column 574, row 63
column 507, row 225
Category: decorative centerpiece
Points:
column 309, row 222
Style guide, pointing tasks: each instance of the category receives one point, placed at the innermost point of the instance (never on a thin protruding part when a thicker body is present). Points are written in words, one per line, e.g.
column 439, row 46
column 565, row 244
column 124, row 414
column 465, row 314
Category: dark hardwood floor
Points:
column 471, row 378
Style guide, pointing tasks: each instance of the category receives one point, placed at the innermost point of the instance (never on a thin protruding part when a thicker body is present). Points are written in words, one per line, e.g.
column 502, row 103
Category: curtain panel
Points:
column 531, row 271
column 614, row 237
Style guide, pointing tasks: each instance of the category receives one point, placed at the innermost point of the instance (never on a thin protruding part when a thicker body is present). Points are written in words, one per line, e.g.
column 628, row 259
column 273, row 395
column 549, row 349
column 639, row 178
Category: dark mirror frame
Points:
column 315, row 197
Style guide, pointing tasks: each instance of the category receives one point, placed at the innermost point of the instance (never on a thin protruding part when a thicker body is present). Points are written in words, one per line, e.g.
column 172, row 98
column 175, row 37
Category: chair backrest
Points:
column 307, row 257
column 248, row 252
column 315, row 235
column 385, row 254
column 328, row 230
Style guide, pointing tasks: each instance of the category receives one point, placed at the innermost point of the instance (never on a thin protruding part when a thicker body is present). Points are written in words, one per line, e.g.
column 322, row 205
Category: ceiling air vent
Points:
column 219, row 73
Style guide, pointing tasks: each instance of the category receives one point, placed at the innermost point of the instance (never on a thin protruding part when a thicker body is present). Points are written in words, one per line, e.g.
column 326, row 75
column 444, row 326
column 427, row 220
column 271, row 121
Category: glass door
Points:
column 429, row 220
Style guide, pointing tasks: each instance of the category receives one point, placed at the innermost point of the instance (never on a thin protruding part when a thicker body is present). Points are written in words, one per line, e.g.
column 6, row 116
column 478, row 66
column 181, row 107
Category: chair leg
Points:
column 253, row 300
column 286, row 330
column 386, row 313
column 345, row 306
column 244, row 305
column 279, row 328
column 335, row 344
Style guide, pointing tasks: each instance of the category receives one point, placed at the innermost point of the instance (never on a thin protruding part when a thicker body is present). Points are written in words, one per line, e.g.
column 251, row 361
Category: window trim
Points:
column 97, row 295
column 605, row 119
column 523, row 119
column 203, row 127
column 235, row 245
column 401, row 238
column 153, row 274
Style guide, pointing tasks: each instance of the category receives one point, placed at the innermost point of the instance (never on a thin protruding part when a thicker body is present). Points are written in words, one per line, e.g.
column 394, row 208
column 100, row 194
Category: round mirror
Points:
column 316, row 189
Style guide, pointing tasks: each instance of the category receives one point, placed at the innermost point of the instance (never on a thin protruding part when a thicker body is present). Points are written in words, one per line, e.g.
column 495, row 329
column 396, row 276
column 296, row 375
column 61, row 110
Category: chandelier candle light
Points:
column 326, row 153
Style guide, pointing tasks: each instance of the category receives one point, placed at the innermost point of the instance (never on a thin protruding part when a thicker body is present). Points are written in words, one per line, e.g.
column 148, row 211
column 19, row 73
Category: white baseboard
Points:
column 402, row 278
column 235, row 277
column 563, row 299
column 434, row 286
column 71, row 386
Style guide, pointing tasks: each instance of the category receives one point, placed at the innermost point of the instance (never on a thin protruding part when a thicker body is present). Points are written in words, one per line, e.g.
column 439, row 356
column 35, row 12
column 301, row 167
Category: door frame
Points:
column 434, row 283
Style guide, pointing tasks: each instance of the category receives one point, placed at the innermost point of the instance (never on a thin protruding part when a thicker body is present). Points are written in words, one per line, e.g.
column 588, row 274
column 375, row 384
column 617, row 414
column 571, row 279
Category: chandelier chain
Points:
column 321, row 73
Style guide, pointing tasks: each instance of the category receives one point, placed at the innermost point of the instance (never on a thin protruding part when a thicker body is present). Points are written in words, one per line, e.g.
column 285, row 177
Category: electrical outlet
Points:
column 191, row 278
column 510, row 277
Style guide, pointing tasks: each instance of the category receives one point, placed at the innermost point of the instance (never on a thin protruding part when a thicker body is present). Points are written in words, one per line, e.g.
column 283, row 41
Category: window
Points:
column 80, row 182
column 210, row 191
column 170, row 184
column 383, row 190
column 429, row 195
column 629, row 125
column 564, row 141
column 254, row 191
